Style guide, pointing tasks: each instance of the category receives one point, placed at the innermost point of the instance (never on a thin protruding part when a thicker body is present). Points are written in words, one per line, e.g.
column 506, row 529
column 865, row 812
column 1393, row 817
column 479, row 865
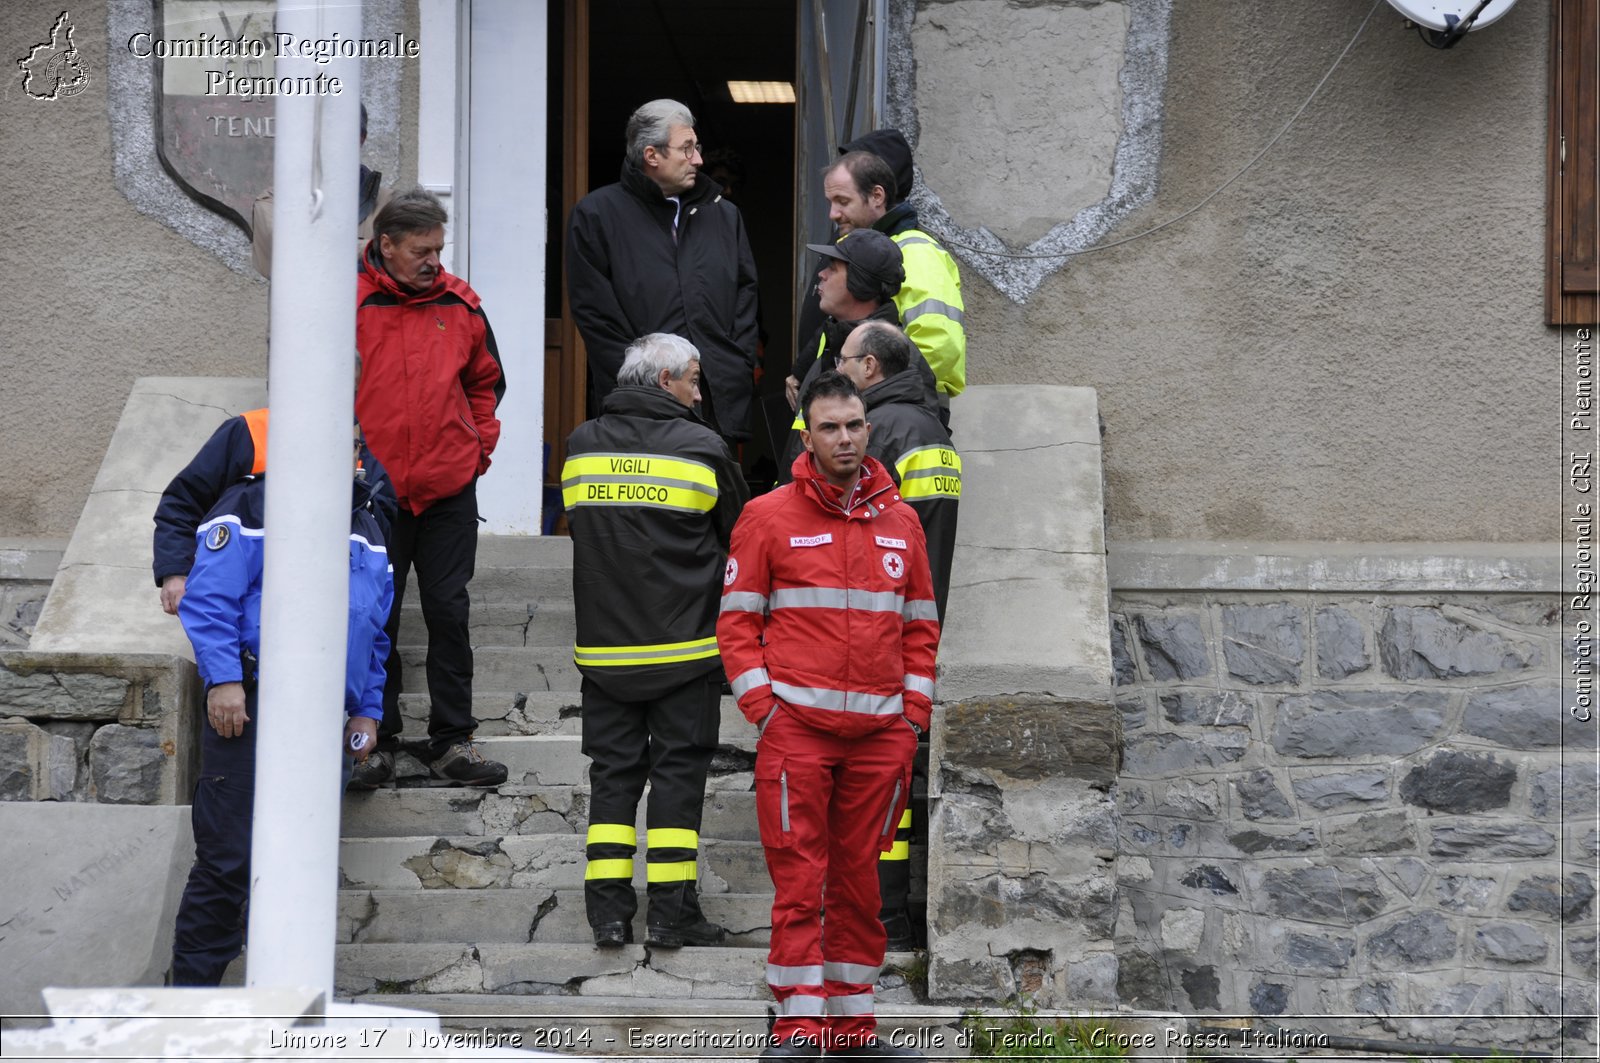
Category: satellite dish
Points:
column 1441, row 23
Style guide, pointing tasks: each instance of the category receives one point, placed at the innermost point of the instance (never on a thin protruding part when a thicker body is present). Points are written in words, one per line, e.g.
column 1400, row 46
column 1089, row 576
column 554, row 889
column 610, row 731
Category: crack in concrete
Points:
column 533, row 607
column 103, row 564
column 196, row 405
column 546, row 906
column 1024, row 450
column 365, row 922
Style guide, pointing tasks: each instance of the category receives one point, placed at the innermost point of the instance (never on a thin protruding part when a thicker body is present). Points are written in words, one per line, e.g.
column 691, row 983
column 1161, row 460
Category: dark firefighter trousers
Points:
column 666, row 741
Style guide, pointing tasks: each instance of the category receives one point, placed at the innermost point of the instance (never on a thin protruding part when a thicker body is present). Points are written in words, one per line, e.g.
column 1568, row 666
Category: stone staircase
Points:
column 469, row 902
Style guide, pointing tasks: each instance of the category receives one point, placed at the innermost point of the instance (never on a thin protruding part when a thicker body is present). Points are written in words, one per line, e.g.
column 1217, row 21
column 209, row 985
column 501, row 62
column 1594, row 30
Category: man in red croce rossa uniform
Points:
column 828, row 632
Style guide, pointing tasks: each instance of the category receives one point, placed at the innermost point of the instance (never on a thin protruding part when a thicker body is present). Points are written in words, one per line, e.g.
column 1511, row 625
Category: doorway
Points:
column 606, row 57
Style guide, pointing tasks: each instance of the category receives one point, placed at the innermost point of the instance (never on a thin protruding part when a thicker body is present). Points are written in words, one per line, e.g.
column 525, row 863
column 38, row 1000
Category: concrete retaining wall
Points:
column 110, row 728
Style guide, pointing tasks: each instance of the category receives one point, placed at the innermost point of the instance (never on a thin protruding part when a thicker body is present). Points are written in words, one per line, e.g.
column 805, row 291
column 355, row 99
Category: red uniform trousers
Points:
column 827, row 806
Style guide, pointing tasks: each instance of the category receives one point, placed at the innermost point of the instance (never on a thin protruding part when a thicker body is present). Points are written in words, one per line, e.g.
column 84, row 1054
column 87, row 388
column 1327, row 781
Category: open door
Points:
column 840, row 95
column 688, row 50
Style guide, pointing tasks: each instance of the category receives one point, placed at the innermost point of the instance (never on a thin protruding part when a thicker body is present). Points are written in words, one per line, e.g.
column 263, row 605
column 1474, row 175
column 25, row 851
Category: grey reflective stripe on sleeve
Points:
column 920, row 609
column 836, row 598
column 888, row 821
column 838, row 700
column 744, row 602
column 802, row 1004
column 919, row 685
column 854, row 1004
column 745, row 682
column 854, row 973
column 793, row 976
column 932, row 306
column 908, row 241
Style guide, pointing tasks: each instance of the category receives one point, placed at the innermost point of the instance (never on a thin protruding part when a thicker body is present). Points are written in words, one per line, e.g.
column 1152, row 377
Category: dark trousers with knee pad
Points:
column 666, row 741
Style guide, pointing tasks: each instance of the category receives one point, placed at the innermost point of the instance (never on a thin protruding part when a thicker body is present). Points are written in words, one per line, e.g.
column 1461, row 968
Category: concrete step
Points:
column 533, row 667
column 579, row 970
column 390, row 917
column 536, row 712
column 644, row 1029
column 558, row 759
column 530, row 861
column 500, row 622
column 729, row 811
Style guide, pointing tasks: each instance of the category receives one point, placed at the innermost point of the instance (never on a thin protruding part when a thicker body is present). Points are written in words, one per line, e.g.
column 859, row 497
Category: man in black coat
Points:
column 662, row 251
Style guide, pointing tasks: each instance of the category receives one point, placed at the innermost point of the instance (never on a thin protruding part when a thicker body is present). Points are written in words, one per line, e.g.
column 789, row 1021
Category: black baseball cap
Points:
column 869, row 251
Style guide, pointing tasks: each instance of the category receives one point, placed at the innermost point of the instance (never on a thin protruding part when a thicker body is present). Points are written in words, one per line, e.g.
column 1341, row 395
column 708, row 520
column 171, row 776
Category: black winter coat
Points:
column 627, row 277
column 652, row 495
column 913, row 445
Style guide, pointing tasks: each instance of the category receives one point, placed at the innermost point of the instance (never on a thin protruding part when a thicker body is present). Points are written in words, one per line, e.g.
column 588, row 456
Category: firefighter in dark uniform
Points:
column 651, row 494
column 911, row 441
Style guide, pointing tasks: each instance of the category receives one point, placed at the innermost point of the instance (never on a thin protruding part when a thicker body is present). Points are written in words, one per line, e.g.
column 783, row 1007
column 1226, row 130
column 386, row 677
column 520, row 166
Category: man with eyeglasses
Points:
column 662, row 250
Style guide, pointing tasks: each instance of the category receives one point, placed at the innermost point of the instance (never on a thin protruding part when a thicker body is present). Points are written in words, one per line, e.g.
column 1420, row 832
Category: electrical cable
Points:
column 1214, row 192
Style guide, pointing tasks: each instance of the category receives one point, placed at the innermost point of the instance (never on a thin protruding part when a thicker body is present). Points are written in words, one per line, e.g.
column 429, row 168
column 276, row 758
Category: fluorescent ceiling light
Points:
column 761, row 91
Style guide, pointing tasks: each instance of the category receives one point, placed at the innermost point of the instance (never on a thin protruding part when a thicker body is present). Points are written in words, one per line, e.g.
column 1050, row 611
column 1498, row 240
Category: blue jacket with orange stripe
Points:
column 221, row 610
column 238, row 448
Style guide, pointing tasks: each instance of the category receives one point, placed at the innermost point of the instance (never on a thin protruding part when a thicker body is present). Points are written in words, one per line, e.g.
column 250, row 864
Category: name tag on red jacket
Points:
column 811, row 540
column 893, row 544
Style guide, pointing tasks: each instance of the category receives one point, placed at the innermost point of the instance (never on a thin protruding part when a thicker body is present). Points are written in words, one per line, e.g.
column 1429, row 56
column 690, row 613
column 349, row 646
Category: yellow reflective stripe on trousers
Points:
column 899, row 851
column 608, row 869
column 672, row 838
column 674, row 871
column 638, row 480
column 661, row 653
column 612, row 834
column 929, row 472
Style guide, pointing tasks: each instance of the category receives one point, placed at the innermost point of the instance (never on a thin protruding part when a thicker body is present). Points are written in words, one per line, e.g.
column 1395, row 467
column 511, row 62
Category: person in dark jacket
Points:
column 652, row 495
column 221, row 614
column 238, row 448
column 908, row 438
column 662, row 251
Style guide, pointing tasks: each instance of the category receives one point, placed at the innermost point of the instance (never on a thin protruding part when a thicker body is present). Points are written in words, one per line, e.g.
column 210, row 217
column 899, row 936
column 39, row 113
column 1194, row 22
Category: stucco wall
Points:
column 1344, row 345
column 99, row 293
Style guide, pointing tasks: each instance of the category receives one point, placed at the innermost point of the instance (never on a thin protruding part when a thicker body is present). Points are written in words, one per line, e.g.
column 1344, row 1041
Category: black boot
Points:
column 613, row 935
column 797, row 1049
column 673, row 919
column 874, row 1049
column 897, row 925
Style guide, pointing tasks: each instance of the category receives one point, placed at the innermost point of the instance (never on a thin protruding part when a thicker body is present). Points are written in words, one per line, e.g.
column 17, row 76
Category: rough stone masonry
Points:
column 1355, row 805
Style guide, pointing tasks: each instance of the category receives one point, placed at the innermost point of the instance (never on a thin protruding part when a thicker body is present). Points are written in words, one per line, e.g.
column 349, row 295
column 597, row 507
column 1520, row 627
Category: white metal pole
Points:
column 295, row 853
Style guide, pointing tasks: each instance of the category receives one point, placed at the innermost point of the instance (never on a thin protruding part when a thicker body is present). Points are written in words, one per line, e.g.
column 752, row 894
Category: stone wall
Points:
column 1343, row 804
column 114, row 728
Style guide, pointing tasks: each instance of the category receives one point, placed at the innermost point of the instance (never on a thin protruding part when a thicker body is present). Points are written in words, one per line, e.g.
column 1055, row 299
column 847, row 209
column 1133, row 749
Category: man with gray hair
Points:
column 661, row 250
column 652, row 495
column 430, row 382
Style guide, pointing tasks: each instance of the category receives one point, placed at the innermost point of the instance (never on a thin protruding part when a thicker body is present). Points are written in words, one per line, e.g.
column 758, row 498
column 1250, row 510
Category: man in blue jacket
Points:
column 221, row 614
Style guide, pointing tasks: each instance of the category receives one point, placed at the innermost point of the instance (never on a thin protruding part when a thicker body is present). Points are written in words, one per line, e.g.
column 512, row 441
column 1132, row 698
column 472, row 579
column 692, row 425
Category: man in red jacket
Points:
column 430, row 382
column 828, row 633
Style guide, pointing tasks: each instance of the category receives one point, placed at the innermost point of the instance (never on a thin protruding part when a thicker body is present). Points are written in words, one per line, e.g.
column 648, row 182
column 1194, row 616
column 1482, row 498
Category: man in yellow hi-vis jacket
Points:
column 867, row 189
column 652, row 494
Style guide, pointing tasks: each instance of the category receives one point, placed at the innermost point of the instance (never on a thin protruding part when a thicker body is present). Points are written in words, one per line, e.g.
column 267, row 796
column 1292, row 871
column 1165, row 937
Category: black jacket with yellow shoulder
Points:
column 909, row 439
column 651, row 494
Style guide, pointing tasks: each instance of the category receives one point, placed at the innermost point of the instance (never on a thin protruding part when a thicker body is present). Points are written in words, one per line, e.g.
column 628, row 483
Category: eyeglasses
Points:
column 851, row 358
column 689, row 150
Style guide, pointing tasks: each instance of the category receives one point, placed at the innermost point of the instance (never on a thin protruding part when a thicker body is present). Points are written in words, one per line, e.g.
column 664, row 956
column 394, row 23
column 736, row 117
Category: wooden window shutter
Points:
column 1572, row 283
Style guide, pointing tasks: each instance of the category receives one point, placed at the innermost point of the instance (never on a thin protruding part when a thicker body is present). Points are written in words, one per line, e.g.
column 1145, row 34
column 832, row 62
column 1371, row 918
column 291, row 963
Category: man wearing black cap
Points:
column 858, row 281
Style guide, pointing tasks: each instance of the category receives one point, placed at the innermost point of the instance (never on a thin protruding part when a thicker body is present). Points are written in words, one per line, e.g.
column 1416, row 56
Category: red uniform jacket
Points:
column 828, row 613
column 430, row 382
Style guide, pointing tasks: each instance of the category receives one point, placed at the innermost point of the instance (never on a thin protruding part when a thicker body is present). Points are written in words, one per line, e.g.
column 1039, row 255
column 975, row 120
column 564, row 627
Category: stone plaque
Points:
column 213, row 140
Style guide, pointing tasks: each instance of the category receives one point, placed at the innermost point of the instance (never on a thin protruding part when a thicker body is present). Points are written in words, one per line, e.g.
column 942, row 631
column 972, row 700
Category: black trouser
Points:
column 210, row 927
column 667, row 741
column 442, row 542
column 894, row 866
